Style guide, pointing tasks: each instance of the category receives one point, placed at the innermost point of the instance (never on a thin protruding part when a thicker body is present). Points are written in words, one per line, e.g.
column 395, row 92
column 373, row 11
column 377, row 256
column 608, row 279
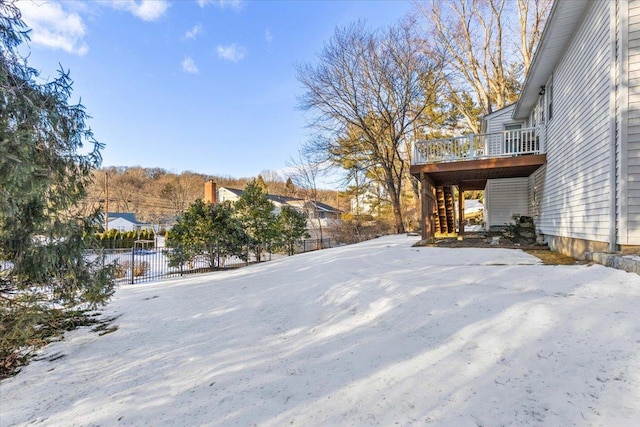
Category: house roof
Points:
column 284, row 200
column 559, row 30
column 129, row 216
column 325, row 208
column 281, row 200
column 500, row 111
column 232, row 190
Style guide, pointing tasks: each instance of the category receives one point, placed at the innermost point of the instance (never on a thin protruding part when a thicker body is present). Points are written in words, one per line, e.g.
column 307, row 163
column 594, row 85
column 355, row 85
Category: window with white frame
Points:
column 549, row 95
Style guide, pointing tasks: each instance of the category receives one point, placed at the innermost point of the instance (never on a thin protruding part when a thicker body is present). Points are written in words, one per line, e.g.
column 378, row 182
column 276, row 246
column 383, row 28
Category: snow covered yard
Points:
column 378, row 333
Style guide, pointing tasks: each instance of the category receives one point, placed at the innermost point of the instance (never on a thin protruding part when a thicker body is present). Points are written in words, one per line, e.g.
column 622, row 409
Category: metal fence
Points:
column 139, row 265
column 312, row 245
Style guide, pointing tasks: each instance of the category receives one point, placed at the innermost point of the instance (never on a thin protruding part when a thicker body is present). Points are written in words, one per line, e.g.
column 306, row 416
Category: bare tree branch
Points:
column 483, row 55
column 365, row 93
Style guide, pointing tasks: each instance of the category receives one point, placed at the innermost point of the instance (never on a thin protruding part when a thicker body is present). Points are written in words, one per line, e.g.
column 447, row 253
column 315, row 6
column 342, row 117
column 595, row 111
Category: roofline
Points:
column 499, row 110
column 282, row 199
column 569, row 13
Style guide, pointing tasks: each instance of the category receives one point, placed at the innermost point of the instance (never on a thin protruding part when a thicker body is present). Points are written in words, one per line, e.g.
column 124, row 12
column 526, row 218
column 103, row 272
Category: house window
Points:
column 540, row 118
column 549, row 93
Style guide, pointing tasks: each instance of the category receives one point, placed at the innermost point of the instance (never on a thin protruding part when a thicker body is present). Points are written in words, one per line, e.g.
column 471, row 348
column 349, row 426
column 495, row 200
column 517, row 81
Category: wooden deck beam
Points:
column 473, row 174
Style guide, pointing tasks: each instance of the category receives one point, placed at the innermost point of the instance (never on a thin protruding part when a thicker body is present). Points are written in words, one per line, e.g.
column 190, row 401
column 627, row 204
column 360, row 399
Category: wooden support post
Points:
column 423, row 207
column 460, row 214
column 427, row 207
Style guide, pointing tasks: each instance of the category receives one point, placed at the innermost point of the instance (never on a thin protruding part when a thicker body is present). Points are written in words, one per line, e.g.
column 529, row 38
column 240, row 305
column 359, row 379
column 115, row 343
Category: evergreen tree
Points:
column 289, row 188
column 291, row 225
column 255, row 212
column 43, row 177
column 209, row 230
column 263, row 185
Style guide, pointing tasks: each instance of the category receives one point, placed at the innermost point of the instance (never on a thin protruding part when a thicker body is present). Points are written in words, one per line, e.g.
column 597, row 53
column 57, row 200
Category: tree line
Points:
column 157, row 196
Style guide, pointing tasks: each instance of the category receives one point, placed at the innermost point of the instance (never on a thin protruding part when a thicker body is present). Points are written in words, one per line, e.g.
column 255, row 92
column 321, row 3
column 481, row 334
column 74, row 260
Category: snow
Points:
column 472, row 206
column 378, row 333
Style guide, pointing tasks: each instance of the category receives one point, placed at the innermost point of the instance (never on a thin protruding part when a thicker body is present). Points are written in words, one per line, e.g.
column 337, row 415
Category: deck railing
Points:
column 507, row 143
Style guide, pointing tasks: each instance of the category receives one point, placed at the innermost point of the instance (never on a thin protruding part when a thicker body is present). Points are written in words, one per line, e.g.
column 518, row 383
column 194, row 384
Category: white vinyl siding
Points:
column 577, row 187
column 505, row 198
column 224, row 195
column 122, row 225
column 536, row 189
column 496, row 122
column 632, row 235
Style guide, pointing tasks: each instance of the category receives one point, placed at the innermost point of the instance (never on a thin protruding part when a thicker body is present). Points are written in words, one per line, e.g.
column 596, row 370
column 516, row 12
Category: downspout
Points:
column 623, row 59
column 613, row 122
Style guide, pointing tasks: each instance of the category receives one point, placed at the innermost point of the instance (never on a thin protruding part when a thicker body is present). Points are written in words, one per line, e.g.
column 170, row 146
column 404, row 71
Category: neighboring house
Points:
column 364, row 204
column 126, row 221
column 314, row 210
column 224, row 194
column 568, row 152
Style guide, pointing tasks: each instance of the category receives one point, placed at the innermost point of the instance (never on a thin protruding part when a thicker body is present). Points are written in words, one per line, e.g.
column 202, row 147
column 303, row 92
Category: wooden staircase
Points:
column 445, row 217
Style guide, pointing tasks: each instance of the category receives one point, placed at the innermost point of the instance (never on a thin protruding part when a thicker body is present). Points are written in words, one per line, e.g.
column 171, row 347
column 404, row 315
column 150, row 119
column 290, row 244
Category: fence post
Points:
column 218, row 254
column 133, row 263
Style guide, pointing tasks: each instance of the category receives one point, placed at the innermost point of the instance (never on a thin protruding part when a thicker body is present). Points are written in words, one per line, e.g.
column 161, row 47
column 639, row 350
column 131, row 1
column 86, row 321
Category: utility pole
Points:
column 106, row 201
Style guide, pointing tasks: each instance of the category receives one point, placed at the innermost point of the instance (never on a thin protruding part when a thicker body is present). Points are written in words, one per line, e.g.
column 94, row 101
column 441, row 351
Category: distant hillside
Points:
column 155, row 194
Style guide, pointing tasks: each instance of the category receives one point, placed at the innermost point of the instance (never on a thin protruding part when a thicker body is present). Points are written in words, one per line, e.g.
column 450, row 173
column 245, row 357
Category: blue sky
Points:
column 206, row 86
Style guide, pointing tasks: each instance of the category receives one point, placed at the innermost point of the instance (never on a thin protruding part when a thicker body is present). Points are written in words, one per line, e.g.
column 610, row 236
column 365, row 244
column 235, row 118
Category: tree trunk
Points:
column 397, row 208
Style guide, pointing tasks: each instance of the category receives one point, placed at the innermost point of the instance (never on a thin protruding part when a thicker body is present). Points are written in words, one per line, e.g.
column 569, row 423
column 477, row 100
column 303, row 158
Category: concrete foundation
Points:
column 575, row 248
column 588, row 250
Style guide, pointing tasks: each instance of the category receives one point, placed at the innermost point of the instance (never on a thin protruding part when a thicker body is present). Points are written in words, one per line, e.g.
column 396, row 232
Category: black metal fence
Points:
column 312, row 245
column 139, row 265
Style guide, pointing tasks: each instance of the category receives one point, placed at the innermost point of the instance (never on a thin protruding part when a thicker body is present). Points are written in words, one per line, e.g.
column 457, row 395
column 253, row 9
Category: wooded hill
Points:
column 157, row 195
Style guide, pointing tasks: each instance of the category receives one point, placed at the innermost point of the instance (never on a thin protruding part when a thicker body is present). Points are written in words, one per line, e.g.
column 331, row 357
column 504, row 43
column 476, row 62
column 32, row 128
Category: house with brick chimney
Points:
column 326, row 214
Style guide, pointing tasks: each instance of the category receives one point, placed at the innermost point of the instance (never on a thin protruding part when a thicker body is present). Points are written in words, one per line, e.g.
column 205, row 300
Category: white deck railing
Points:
column 507, row 143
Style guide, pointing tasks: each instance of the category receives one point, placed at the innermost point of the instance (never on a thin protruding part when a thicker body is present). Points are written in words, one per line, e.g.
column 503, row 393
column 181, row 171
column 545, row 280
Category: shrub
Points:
column 140, row 268
column 121, row 269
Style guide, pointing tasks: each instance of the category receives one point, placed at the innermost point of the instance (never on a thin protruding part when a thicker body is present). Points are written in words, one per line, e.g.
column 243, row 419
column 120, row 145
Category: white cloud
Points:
column 147, row 10
column 54, row 27
column 193, row 32
column 232, row 52
column 189, row 66
column 268, row 36
column 222, row 4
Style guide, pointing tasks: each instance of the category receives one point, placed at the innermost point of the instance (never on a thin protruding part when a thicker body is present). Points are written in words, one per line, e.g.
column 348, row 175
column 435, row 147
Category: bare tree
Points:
column 364, row 94
column 486, row 58
column 304, row 171
column 270, row 176
column 179, row 191
column 127, row 188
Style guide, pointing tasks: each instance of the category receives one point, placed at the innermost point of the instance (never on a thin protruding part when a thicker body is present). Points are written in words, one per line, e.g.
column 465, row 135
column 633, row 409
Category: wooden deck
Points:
column 473, row 174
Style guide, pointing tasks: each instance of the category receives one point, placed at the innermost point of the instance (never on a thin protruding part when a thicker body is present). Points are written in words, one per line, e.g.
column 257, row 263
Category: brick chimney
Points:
column 210, row 192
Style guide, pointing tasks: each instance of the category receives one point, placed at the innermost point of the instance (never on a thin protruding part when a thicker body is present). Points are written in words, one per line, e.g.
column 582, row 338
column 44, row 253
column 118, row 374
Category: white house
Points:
column 364, row 204
column 568, row 152
column 316, row 212
column 126, row 221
